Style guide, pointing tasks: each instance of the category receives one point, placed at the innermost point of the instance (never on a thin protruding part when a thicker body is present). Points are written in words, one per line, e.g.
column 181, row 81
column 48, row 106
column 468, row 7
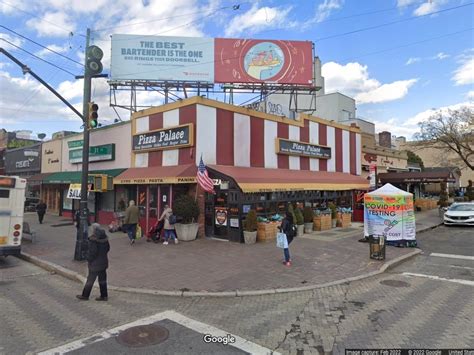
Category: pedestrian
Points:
column 132, row 214
column 41, row 210
column 97, row 262
column 77, row 219
column 288, row 227
column 169, row 219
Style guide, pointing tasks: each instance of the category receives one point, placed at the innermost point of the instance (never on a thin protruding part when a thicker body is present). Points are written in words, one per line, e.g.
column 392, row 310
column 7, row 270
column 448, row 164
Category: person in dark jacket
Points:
column 41, row 210
column 287, row 228
column 97, row 262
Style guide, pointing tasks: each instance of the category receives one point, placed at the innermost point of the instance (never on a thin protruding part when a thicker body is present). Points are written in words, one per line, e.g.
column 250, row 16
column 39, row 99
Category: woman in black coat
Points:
column 97, row 262
column 287, row 228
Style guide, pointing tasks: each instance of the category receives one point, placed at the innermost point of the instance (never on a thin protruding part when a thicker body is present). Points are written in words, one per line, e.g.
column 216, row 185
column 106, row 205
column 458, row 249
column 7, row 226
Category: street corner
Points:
column 165, row 333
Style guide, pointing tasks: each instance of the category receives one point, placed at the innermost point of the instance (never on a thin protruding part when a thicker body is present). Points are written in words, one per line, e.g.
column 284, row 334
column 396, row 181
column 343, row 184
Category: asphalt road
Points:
column 425, row 302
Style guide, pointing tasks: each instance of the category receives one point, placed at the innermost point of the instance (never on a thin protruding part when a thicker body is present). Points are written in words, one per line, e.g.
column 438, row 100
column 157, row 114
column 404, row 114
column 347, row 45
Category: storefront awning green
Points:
column 74, row 177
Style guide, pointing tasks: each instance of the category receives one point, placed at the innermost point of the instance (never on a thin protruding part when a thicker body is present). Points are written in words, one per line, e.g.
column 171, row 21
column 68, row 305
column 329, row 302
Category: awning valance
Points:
column 179, row 174
column 269, row 180
column 38, row 178
column 74, row 177
column 417, row 177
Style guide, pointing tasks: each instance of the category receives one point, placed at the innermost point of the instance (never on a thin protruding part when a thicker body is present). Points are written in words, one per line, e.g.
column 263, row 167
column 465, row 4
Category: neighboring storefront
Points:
column 257, row 160
column 26, row 162
column 421, row 182
column 109, row 154
column 51, row 162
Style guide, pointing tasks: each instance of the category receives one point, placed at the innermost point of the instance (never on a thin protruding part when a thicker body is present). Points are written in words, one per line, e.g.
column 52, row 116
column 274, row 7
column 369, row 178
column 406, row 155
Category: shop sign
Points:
column 74, row 191
column 164, row 180
column 221, row 216
column 234, row 222
column 23, row 160
column 166, row 138
column 285, row 146
column 75, row 144
column 429, row 180
column 373, row 176
column 97, row 153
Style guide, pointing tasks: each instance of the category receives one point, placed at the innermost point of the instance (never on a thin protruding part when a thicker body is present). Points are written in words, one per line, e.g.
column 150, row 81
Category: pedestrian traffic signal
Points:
column 94, row 56
column 93, row 115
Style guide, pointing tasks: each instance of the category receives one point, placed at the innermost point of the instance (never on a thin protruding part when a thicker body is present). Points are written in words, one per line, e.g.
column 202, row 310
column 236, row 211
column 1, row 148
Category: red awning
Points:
column 181, row 174
column 263, row 180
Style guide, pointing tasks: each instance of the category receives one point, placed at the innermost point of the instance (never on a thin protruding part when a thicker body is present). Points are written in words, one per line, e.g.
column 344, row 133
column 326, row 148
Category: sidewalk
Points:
column 207, row 265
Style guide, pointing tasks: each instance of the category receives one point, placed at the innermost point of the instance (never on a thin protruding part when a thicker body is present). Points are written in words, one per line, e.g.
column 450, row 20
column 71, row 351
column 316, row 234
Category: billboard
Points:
column 136, row 57
column 211, row 60
column 23, row 160
column 263, row 61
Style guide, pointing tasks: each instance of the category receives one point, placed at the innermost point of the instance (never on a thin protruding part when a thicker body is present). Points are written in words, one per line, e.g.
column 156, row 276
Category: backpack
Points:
column 172, row 219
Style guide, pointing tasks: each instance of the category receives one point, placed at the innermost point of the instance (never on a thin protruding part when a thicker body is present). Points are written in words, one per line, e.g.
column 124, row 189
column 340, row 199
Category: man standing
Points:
column 98, row 263
column 41, row 210
column 169, row 219
column 132, row 215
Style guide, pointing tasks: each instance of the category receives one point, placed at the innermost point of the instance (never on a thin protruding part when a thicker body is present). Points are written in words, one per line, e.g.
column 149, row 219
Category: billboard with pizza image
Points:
column 263, row 61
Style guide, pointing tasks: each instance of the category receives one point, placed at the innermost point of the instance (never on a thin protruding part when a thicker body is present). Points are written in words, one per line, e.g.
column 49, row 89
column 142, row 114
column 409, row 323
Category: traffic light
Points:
column 94, row 56
column 93, row 115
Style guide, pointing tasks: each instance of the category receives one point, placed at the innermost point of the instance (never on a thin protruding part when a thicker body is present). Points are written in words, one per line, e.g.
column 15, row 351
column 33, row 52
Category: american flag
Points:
column 203, row 178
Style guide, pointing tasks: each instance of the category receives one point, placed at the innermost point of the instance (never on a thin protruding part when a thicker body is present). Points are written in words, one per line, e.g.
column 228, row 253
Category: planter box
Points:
column 250, row 237
column 344, row 220
column 186, row 232
column 267, row 231
column 322, row 222
column 308, row 227
column 300, row 230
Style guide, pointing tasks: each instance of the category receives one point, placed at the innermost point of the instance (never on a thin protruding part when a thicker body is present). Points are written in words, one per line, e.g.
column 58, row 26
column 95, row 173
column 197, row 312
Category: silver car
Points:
column 461, row 213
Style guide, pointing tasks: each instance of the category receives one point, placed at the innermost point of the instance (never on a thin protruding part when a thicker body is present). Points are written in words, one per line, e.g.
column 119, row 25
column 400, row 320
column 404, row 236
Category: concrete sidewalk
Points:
column 207, row 265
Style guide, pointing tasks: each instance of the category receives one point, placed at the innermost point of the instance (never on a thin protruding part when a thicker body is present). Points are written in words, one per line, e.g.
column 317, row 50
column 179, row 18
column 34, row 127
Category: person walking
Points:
column 97, row 262
column 287, row 227
column 41, row 210
column 167, row 217
column 132, row 214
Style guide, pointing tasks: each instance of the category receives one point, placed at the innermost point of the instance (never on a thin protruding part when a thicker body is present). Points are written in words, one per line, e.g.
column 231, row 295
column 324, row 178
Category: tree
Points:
column 450, row 131
column 415, row 158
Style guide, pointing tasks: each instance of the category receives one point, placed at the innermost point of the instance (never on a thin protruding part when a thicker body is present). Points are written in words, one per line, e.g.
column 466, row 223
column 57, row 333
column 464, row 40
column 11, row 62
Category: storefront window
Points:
column 67, row 202
column 107, row 201
column 123, row 194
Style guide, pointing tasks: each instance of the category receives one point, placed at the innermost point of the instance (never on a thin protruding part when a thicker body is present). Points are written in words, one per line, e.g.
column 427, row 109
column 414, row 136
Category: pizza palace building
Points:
column 257, row 160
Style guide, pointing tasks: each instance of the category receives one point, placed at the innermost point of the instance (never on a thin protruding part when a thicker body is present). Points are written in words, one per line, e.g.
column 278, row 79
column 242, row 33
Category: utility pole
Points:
column 80, row 252
column 92, row 67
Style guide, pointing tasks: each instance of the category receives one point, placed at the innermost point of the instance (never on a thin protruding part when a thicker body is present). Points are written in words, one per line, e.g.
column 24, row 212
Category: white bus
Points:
column 12, row 203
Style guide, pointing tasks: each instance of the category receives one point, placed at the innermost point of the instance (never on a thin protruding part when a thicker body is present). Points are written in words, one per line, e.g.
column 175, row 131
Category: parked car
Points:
column 461, row 213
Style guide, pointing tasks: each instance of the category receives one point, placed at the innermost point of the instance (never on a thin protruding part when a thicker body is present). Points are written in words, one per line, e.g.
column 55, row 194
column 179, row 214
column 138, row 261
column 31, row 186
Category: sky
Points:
column 402, row 60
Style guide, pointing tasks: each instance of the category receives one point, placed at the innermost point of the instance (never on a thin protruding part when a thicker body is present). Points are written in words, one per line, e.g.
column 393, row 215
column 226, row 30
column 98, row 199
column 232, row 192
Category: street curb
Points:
column 51, row 267
column 74, row 276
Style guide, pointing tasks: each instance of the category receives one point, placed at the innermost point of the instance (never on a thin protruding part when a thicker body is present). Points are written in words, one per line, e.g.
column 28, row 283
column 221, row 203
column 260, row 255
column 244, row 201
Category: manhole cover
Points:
column 143, row 335
column 395, row 283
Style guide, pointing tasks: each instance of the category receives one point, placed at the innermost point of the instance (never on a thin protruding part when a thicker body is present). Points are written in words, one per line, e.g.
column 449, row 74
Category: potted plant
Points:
column 299, row 221
column 308, row 216
column 250, row 227
column 333, row 209
column 187, row 211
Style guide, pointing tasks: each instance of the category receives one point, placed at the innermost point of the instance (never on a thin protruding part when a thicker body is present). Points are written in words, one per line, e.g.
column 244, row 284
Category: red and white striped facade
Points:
column 231, row 135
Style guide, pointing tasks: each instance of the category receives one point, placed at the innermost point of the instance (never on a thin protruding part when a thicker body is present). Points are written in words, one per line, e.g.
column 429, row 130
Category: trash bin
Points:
column 377, row 247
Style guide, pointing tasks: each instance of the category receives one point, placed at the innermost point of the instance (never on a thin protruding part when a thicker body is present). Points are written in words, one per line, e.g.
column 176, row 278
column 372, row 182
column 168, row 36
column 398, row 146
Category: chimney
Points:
column 385, row 139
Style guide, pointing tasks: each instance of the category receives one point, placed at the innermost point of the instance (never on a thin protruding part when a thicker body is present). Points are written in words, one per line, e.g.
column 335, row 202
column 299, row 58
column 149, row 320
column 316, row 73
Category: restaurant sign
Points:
column 165, row 138
column 97, row 153
column 285, row 146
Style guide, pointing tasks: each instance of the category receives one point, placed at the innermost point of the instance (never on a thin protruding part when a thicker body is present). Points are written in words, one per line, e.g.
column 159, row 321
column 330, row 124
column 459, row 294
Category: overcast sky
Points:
column 400, row 59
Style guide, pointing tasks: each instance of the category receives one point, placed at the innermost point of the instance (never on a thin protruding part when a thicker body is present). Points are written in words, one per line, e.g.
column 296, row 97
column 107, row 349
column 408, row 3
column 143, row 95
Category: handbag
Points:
column 138, row 235
column 282, row 241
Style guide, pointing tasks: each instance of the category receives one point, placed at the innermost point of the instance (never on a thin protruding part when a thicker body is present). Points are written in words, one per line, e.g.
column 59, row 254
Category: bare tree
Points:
column 451, row 131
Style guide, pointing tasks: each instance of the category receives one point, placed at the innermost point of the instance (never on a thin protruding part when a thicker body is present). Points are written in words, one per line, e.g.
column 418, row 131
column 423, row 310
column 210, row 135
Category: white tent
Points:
column 388, row 211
